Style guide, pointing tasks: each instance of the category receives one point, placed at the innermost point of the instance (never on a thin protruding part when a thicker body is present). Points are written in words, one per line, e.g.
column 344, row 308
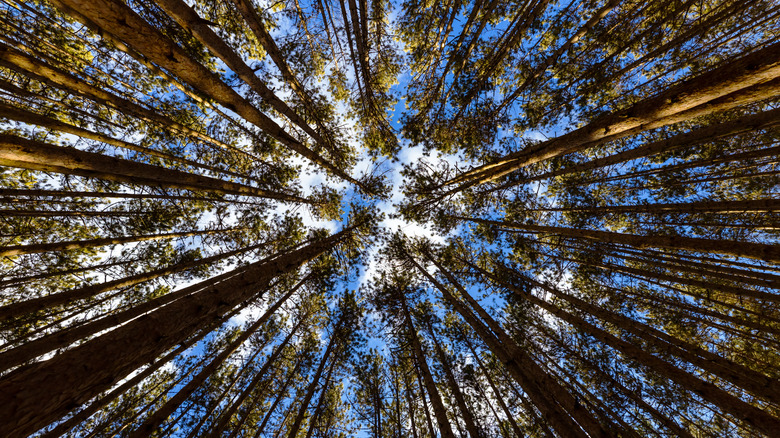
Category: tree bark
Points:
column 758, row 251
column 127, row 26
column 34, row 155
column 23, row 307
column 79, row 374
column 525, row 371
column 753, row 70
column 83, row 244
column 445, row 429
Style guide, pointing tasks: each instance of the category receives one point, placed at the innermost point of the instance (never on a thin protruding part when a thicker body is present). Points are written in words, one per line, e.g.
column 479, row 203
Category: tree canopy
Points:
column 456, row 218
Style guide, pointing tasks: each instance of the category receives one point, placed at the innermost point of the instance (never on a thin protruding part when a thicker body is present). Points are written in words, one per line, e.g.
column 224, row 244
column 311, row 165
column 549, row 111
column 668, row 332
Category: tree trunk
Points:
column 121, row 21
column 101, row 402
column 49, row 301
column 189, row 19
column 312, row 388
column 710, row 392
column 35, row 68
column 154, row 421
column 758, row 251
column 439, row 411
column 252, row 386
column 468, row 418
column 81, row 373
column 35, row 155
column 752, row 70
column 84, row 244
column 29, row 117
column 528, row 374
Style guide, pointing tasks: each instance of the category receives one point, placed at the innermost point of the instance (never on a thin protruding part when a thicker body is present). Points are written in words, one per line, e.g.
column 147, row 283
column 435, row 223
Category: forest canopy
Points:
column 456, row 218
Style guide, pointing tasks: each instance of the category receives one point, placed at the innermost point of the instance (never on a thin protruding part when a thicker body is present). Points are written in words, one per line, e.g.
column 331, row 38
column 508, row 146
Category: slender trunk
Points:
column 758, row 251
column 100, row 403
column 18, row 281
column 312, row 388
column 320, row 401
column 34, row 68
column 539, row 386
column 725, row 369
column 49, row 301
column 20, row 195
column 445, row 429
column 79, row 374
column 468, row 418
column 408, row 392
column 256, row 380
column 34, row 155
column 632, row 395
column 552, row 386
column 189, row 19
column 121, row 21
column 247, row 10
column 497, row 394
column 56, row 125
column 720, row 207
column 151, row 424
column 710, row 392
column 84, row 244
column 279, row 398
column 68, row 213
column 694, row 97
column 552, row 60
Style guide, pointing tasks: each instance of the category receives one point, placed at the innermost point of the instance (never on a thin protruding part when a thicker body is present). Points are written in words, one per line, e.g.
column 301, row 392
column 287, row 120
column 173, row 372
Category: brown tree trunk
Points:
column 468, row 418
column 23, row 307
column 35, row 68
column 710, row 392
column 35, row 155
column 725, row 369
column 445, row 429
column 83, row 244
column 225, row 417
column 121, row 21
column 30, row 117
column 691, row 98
column 101, row 402
column 721, row 207
column 497, row 394
column 154, row 421
column 528, row 374
column 759, row 251
column 312, row 388
column 189, row 19
column 79, row 374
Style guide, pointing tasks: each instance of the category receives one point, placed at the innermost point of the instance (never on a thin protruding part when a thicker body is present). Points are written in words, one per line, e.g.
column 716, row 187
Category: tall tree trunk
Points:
column 312, row 388
column 30, row 117
column 121, row 21
column 79, row 374
column 189, row 19
column 759, row 251
column 710, row 392
column 49, row 301
column 468, row 418
column 753, row 70
column 225, row 417
column 539, row 386
column 154, row 421
column 101, row 402
column 445, row 429
column 84, row 244
column 34, row 155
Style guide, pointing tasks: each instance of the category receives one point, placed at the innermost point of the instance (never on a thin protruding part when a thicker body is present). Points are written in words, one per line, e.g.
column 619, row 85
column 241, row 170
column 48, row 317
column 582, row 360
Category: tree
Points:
column 199, row 234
